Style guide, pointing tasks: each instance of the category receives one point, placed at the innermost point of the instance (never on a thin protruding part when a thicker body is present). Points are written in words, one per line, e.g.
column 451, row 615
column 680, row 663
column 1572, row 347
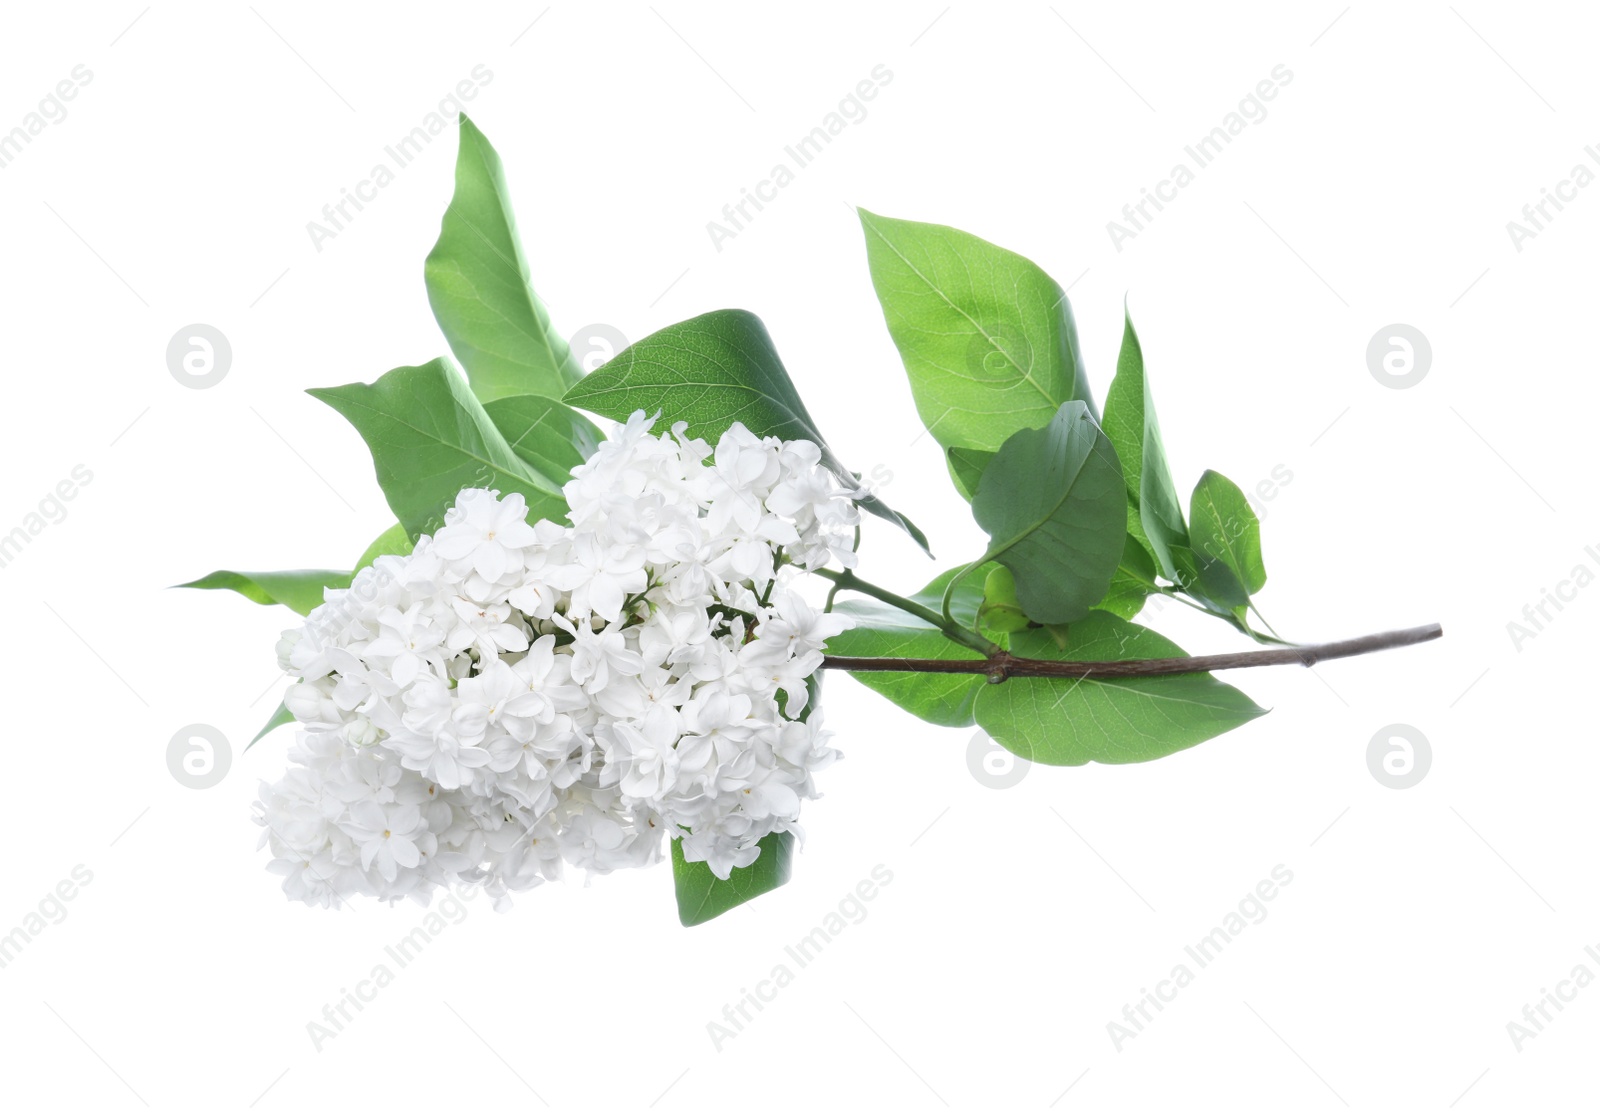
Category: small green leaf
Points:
column 1000, row 611
column 477, row 279
column 1134, row 580
column 965, row 600
column 1134, row 432
column 1227, row 540
column 395, row 540
column 299, row 589
column 986, row 336
column 966, row 468
column 1071, row 721
column 1052, row 503
column 549, row 435
column 280, row 716
column 430, row 439
column 883, row 631
column 710, row 372
column 702, row 896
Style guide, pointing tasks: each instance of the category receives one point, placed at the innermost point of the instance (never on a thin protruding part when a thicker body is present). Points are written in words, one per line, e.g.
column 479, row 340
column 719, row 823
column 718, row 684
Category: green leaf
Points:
column 1000, row 611
column 1227, row 540
column 549, row 435
column 430, row 439
column 299, row 589
column 280, row 716
column 965, row 600
column 710, row 372
column 395, row 540
column 966, row 468
column 477, row 280
column 1052, row 503
column 1135, row 526
column 1134, row 580
column 1134, row 432
column 702, row 896
column 986, row 336
column 1071, row 721
column 883, row 631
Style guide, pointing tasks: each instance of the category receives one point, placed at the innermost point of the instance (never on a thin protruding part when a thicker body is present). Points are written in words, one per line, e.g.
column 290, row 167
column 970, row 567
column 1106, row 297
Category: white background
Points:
column 1019, row 922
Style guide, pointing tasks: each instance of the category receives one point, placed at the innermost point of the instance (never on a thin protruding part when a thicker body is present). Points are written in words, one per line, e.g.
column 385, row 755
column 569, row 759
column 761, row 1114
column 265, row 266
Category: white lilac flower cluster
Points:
column 513, row 696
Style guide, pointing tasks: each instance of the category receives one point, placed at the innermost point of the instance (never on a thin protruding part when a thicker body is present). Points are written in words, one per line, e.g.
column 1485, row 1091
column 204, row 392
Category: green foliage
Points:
column 1136, row 435
column 477, row 280
column 299, row 589
column 986, row 336
column 966, row 468
column 1001, row 612
column 1052, row 503
column 430, row 438
column 884, row 631
column 1227, row 541
column 1071, row 721
column 702, row 896
column 1132, row 583
column 280, row 716
column 550, row 436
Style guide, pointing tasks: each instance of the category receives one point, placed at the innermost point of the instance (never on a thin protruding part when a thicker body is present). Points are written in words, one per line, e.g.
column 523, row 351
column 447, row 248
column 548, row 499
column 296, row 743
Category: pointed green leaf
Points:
column 299, row 589
column 429, row 439
column 883, row 631
column 986, row 336
column 280, row 716
column 1071, row 721
column 966, row 468
column 1134, row 580
column 712, row 371
column 1227, row 540
column 549, row 435
column 1052, row 503
column 477, row 278
column 1134, row 432
column 702, row 896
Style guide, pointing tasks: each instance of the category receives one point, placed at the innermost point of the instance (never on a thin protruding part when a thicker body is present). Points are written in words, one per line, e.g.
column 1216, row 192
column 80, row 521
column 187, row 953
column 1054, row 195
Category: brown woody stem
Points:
column 1001, row 666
